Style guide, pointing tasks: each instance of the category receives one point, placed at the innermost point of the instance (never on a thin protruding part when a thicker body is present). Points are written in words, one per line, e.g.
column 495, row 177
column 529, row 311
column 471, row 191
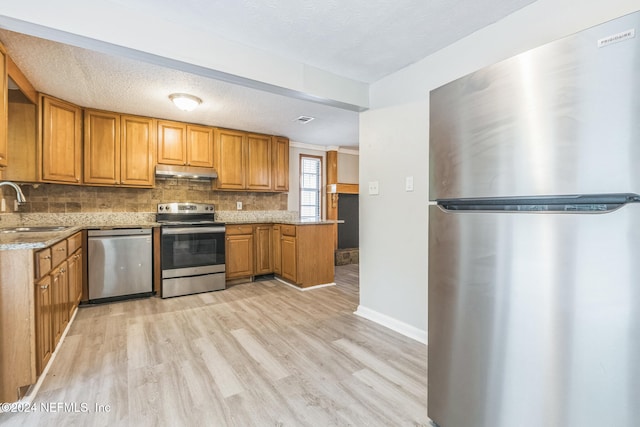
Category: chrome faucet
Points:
column 20, row 197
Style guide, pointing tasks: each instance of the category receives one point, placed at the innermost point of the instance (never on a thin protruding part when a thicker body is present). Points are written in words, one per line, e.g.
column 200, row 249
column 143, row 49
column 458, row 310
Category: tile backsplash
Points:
column 57, row 198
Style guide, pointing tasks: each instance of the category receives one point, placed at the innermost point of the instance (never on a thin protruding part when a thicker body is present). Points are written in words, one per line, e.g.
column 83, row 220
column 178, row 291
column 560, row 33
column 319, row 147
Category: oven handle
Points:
column 192, row 230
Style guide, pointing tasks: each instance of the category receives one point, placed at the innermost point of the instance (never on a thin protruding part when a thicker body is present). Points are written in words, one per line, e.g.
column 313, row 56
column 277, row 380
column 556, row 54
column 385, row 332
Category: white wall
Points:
column 394, row 137
column 295, row 149
column 348, row 168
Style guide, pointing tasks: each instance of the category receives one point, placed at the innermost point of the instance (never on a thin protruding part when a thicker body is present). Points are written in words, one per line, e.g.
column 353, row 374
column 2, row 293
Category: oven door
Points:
column 192, row 250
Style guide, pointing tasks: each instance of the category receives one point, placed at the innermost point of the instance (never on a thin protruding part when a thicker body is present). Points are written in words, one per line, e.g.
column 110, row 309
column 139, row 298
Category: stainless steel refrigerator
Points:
column 534, row 237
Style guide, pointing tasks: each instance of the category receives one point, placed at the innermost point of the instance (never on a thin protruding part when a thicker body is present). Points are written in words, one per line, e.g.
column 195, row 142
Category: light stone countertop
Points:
column 80, row 221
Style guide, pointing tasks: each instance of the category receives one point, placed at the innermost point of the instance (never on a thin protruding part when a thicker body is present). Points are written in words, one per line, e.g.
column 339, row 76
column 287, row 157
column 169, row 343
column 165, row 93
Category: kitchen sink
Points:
column 34, row 229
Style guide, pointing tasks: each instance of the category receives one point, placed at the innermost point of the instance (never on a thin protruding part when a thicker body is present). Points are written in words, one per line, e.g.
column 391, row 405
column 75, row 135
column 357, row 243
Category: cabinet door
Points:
column 22, row 142
column 65, row 299
column 74, row 280
column 289, row 258
column 4, row 108
column 277, row 259
column 258, row 162
column 172, row 143
column 44, row 341
column 263, row 244
column 229, row 148
column 61, row 141
column 138, row 152
column 200, row 146
column 57, row 302
column 101, row 147
column 280, row 163
column 239, row 251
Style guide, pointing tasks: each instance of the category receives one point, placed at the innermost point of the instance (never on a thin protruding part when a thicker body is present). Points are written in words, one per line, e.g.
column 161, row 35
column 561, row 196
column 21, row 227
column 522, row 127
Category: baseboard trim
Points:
column 393, row 324
column 308, row 288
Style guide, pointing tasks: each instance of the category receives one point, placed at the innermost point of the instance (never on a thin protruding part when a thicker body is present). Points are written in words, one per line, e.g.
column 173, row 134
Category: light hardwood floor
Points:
column 255, row 354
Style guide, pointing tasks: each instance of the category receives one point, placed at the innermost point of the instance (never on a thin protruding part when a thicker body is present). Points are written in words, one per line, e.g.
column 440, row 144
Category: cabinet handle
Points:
column 61, row 249
column 77, row 179
column 63, row 270
column 46, row 257
column 44, row 287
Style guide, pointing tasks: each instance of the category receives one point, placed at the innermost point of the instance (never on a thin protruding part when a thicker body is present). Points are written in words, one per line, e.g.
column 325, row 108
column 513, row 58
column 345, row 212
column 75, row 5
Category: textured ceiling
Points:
column 363, row 40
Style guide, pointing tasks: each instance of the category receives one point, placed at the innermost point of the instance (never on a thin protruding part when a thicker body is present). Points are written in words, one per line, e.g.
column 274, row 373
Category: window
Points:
column 310, row 185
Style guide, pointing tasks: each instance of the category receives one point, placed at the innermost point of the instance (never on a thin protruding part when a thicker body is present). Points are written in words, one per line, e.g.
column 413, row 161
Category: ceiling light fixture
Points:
column 185, row 101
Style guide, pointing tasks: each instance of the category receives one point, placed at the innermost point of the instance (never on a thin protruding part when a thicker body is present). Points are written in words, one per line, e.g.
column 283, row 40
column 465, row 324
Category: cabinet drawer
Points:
column 74, row 242
column 43, row 262
column 239, row 229
column 288, row 230
column 58, row 253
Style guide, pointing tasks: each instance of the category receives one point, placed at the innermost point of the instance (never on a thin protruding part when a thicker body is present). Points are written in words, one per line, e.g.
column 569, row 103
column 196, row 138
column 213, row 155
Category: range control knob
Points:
column 161, row 207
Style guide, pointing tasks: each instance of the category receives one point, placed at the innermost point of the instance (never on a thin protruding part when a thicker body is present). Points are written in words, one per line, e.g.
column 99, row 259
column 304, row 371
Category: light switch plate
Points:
column 408, row 185
column 373, row 188
column 239, row 206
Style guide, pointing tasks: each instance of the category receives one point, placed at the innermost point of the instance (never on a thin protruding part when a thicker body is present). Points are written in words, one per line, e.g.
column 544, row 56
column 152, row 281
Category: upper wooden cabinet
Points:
column 101, row 147
column 229, row 149
column 61, row 149
column 200, row 146
column 184, row 144
column 4, row 107
column 258, row 158
column 118, row 149
column 22, row 128
column 172, row 140
column 280, row 155
column 138, row 151
column 248, row 161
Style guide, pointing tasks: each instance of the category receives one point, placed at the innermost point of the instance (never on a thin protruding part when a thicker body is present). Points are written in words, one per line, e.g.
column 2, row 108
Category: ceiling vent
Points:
column 304, row 119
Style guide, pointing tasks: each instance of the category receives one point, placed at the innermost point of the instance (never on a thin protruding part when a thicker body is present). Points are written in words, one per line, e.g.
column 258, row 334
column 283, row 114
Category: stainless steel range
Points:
column 192, row 249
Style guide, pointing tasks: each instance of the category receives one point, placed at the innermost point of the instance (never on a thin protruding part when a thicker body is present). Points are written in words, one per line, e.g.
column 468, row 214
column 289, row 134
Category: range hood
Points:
column 187, row 172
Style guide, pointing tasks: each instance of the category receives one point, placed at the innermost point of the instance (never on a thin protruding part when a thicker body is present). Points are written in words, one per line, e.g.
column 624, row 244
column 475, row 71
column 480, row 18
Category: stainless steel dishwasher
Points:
column 119, row 264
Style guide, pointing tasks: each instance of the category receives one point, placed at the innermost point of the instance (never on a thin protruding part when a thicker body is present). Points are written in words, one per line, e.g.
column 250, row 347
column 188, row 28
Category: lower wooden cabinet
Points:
column 58, row 292
column 300, row 254
column 289, row 258
column 306, row 253
column 276, row 250
column 59, row 299
column 263, row 249
column 239, row 251
column 43, row 308
column 74, row 281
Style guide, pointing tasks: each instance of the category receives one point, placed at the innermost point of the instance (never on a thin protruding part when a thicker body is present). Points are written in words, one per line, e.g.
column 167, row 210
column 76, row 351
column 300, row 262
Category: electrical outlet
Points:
column 373, row 188
column 239, row 206
column 3, row 205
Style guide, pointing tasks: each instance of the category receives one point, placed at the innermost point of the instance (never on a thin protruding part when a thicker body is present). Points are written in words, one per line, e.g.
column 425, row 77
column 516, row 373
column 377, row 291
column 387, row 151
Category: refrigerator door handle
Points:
column 580, row 204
